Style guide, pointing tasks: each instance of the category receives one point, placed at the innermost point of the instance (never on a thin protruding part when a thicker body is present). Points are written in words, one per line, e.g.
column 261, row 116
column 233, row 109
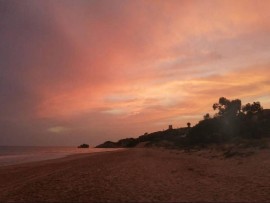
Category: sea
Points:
column 12, row 155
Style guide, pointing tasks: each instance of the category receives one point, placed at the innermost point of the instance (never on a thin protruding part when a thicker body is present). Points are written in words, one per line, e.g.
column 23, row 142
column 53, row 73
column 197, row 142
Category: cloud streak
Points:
column 111, row 69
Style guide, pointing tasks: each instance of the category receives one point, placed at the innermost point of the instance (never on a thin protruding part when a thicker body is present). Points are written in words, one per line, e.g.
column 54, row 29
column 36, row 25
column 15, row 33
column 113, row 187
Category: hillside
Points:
column 160, row 138
column 233, row 123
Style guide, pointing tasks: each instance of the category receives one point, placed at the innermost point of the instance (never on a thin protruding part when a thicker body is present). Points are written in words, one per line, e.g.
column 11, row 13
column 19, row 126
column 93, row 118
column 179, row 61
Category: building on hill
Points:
column 170, row 127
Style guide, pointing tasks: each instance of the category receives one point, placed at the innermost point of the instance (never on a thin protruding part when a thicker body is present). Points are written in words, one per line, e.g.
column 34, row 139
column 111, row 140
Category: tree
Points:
column 251, row 109
column 188, row 124
column 228, row 108
column 206, row 116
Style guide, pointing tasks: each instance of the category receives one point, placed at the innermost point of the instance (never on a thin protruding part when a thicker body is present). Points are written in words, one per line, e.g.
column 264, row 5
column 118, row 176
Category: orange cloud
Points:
column 143, row 63
column 148, row 56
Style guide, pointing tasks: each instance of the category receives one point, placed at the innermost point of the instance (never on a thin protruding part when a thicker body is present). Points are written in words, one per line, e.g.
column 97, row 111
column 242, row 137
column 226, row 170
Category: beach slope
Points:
column 139, row 175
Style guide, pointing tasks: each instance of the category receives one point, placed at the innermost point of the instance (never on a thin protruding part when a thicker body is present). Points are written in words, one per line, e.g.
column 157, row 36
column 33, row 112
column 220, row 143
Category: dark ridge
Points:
column 232, row 123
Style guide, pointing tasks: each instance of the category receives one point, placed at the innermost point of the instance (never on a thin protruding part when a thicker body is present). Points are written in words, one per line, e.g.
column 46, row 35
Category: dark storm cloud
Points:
column 26, row 34
column 33, row 53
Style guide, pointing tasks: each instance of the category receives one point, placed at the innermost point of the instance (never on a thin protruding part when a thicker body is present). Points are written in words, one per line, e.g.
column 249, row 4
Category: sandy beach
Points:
column 139, row 175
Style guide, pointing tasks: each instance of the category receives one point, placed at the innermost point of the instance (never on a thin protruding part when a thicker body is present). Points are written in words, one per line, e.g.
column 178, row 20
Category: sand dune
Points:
column 140, row 175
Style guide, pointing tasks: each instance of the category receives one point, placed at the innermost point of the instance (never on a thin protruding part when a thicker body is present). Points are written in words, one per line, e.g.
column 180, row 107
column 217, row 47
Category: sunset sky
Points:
column 96, row 70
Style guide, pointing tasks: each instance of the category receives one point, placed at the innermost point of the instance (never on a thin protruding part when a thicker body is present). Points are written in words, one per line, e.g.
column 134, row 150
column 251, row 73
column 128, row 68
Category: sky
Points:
column 88, row 71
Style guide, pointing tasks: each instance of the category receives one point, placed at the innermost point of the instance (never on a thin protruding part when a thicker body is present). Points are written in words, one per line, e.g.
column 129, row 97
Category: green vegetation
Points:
column 231, row 123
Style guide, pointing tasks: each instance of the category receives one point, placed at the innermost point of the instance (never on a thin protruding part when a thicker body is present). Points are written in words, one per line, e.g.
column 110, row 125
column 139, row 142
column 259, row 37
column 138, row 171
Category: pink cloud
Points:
column 140, row 63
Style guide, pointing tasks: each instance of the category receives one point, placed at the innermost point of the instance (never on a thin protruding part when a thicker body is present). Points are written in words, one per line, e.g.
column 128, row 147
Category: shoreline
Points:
column 15, row 159
column 140, row 175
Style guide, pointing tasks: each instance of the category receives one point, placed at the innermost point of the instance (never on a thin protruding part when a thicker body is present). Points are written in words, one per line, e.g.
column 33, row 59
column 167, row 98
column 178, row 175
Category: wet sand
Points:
column 140, row 175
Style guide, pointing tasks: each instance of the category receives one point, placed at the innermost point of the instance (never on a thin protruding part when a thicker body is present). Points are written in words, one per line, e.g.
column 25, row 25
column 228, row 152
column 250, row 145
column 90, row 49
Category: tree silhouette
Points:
column 188, row 124
column 206, row 116
column 227, row 108
column 251, row 109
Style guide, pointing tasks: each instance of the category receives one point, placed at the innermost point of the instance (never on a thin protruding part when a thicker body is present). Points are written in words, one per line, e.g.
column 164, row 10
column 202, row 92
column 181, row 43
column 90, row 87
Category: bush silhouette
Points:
column 231, row 122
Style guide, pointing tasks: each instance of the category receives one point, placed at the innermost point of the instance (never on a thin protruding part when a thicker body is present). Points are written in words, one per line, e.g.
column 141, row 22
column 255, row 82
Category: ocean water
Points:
column 11, row 155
